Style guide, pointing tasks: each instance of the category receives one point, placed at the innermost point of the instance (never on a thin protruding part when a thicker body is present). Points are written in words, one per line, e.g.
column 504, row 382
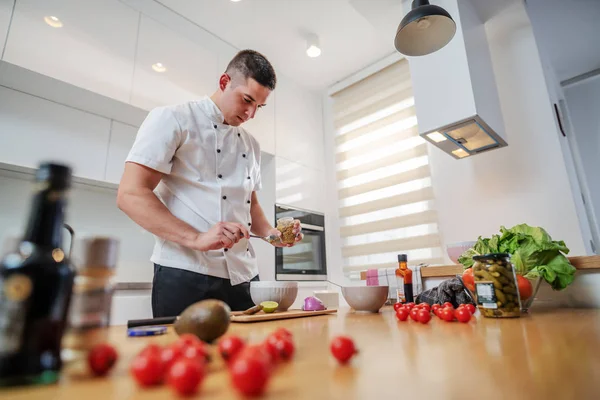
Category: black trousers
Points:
column 174, row 289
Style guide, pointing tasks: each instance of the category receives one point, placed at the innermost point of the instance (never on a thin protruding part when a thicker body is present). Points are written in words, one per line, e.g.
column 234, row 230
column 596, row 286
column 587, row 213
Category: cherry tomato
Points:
column 250, row 373
column 402, row 314
column 447, row 304
column 283, row 332
column 151, row 348
column 271, row 347
column 438, row 312
column 198, row 352
column 424, row 316
column 169, row 355
column 435, row 307
column 471, row 308
column 343, row 349
column 425, row 306
column 101, row 359
column 463, row 315
column 397, row 306
column 230, row 346
column 285, row 348
column 411, row 305
column 259, row 351
column 188, row 339
column 414, row 314
column 185, row 376
column 147, row 369
column 447, row 314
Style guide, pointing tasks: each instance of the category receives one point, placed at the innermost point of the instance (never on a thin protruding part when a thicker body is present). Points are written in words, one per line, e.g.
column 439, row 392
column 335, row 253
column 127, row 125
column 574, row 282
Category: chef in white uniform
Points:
column 191, row 179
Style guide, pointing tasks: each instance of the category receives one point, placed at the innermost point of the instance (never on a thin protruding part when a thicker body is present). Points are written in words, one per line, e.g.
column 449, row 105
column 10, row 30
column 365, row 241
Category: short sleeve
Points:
column 156, row 141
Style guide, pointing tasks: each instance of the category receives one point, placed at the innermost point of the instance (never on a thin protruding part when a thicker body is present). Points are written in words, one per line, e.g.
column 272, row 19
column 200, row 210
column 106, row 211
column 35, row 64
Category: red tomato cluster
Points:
column 422, row 312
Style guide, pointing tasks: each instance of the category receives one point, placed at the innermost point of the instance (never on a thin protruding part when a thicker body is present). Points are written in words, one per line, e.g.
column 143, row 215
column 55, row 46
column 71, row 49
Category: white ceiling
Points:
column 353, row 33
column 568, row 31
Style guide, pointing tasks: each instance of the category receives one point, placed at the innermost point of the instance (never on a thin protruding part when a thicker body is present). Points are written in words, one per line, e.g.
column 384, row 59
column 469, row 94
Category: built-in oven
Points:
column 306, row 260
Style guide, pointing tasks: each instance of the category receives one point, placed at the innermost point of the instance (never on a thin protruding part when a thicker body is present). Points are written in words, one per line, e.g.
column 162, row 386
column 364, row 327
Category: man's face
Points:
column 241, row 99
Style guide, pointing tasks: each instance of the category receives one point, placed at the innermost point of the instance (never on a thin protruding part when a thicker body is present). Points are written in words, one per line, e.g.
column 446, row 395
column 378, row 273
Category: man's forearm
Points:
column 143, row 207
column 260, row 224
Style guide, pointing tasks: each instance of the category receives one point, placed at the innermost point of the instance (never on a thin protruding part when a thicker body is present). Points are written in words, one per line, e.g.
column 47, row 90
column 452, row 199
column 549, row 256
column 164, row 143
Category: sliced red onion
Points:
column 313, row 304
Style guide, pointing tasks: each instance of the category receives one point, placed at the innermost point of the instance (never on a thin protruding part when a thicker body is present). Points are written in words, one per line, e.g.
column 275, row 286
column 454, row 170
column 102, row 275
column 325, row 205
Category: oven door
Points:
column 306, row 260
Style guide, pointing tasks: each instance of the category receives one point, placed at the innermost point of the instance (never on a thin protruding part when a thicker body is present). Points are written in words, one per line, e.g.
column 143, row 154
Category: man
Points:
column 191, row 179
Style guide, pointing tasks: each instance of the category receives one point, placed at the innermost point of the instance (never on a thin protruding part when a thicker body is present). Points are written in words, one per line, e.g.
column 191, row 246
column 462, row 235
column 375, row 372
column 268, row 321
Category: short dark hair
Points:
column 252, row 64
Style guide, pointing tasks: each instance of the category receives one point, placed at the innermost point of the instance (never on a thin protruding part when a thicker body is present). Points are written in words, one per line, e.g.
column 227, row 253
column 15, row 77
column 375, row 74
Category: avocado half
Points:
column 207, row 319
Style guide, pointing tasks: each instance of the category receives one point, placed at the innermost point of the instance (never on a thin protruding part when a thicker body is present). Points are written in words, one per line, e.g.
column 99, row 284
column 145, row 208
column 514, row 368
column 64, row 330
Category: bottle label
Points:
column 400, row 296
column 14, row 292
column 91, row 308
column 486, row 295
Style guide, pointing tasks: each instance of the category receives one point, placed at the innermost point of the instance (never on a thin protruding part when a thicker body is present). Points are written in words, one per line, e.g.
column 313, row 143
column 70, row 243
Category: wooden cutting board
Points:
column 262, row 316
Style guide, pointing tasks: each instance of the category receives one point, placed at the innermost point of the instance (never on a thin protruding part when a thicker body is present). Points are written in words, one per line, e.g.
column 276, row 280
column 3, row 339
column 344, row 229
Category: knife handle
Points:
column 134, row 323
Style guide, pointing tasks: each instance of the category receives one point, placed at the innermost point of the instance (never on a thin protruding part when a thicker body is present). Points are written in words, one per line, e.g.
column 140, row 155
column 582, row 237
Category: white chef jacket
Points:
column 211, row 170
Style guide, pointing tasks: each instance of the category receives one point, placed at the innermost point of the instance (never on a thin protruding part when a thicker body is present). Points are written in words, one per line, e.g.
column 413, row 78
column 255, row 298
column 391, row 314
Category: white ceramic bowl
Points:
column 455, row 250
column 366, row 298
column 284, row 293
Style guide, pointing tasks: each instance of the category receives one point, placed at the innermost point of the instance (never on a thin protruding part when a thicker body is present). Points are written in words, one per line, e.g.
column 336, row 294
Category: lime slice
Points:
column 269, row 306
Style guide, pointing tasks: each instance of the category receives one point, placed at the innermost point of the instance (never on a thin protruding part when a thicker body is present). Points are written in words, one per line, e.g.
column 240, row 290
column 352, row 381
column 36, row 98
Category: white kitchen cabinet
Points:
column 299, row 186
column 34, row 130
column 190, row 68
column 122, row 137
column 6, row 7
column 94, row 49
column 299, row 124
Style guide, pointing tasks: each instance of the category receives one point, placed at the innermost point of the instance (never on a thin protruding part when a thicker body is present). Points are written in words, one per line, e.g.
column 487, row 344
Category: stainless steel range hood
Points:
column 455, row 91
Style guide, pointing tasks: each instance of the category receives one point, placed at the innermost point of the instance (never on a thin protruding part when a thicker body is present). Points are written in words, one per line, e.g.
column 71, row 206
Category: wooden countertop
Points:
column 548, row 354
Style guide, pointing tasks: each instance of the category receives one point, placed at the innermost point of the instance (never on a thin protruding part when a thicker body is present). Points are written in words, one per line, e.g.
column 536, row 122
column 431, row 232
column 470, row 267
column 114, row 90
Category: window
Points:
column 386, row 202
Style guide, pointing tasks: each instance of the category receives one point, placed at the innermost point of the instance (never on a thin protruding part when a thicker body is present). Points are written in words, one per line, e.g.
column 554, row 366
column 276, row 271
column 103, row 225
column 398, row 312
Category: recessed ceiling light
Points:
column 235, row 1
column 460, row 153
column 53, row 21
column 436, row 137
column 312, row 46
column 159, row 67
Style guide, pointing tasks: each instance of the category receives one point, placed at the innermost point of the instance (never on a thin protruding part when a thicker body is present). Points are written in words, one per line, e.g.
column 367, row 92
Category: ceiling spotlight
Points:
column 159, row 67
column 235, row 1
column 53, row 21
column 312, row 46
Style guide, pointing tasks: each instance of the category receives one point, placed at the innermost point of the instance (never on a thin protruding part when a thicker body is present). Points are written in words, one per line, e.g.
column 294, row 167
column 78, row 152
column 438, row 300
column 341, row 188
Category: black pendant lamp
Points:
column 424, row 30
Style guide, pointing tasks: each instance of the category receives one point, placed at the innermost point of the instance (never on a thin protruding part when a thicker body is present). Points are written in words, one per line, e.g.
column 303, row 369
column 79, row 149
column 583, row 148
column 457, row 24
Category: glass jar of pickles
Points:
column 496, row 286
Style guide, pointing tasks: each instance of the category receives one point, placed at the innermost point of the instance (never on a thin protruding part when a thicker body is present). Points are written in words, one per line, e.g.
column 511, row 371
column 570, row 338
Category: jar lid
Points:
column 96, row 252
column 491, row 256
column 402, row 258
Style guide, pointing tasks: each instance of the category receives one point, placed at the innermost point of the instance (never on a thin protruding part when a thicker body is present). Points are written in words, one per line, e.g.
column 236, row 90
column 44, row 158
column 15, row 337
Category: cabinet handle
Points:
column 560, row 125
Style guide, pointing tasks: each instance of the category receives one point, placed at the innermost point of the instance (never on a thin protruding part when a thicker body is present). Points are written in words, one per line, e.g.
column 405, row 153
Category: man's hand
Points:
column 222, row 235
column 297, row 231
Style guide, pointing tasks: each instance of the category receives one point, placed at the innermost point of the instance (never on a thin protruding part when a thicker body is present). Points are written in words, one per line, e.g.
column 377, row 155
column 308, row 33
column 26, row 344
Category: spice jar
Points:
column 95, row 259
column 496, row 286
column 286, row 227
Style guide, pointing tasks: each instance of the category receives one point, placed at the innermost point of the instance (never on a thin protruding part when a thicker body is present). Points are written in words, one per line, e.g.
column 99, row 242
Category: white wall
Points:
column 526, row 182
column 583, row 101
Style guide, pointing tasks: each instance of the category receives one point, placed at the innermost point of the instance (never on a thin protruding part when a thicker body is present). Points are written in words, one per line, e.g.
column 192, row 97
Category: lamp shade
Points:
column 424, row 30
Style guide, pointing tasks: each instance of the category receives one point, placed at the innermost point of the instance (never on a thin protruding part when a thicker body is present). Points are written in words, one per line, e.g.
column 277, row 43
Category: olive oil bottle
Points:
column 36, row 282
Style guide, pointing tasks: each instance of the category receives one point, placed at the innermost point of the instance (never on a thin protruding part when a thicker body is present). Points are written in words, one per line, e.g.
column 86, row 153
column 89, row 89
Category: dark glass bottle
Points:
column 36, row 282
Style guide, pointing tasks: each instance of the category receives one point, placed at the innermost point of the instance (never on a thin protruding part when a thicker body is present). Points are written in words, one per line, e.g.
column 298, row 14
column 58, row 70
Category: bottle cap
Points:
column 402, row 258
column 57, row 175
